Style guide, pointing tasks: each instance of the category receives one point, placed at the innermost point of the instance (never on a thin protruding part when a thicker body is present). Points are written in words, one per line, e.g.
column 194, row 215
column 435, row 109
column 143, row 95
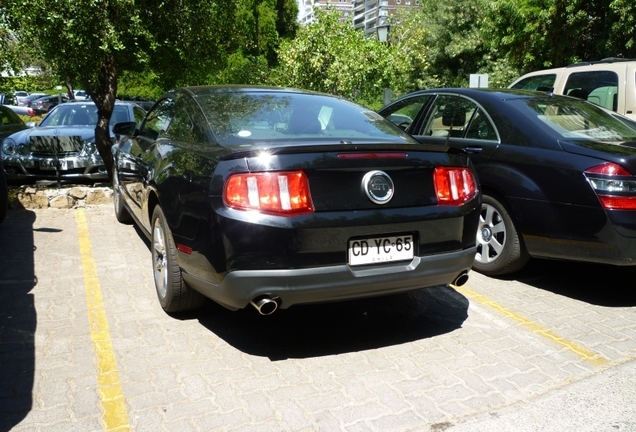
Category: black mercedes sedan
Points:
column 556, row 173
column 274, row 197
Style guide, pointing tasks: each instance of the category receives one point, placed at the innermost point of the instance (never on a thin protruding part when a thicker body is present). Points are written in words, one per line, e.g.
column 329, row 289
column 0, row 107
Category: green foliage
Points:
column 444, row 43
column 27, row 119
column 144, row 47
column 243, row 69
column 537, row 34
column 33, row 83
column 332, row 57
column 138, row 84
column 256, row 32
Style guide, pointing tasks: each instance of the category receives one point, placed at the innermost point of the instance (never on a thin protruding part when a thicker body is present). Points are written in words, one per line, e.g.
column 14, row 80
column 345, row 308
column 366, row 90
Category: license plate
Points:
column 380, row 249
column 49, row 164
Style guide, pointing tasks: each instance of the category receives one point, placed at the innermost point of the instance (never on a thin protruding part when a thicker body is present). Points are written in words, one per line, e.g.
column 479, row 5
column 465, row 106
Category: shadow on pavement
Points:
column 335, row 328
column 602, row 285
column 316, row 330
column 17, row 317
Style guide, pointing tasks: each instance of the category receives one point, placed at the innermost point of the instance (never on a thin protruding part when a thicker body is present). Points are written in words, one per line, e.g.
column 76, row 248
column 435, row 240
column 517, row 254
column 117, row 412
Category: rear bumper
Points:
column 334, row 283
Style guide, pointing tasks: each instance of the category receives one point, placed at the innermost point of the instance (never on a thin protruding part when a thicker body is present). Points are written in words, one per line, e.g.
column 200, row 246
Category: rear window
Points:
column 578, row 119
column 537, row 82
column 599, row 87
column 244, row 118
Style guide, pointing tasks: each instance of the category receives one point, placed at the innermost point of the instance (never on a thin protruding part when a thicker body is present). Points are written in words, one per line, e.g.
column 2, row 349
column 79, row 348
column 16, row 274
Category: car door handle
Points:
column 472, row 150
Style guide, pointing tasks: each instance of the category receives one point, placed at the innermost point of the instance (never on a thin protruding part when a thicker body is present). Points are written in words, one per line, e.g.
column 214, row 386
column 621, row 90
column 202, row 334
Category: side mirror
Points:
column 124, row 128
column 31, row 124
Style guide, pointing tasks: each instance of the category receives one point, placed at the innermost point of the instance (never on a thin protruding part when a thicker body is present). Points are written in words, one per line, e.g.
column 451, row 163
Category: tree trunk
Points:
column 69, row 88
column 104, row 97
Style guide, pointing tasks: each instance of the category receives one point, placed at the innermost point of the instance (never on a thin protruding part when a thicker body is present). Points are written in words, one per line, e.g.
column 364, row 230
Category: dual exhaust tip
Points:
column 265, row 305
column 461, row 279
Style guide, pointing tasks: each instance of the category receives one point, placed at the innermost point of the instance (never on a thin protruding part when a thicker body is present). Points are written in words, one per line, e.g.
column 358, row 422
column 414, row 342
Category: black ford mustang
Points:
column 276, row 197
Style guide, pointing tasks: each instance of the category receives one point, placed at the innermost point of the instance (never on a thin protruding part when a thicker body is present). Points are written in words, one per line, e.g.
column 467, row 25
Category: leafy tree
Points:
column 537, row 34
column 259, row 27
column 622, row 39
column 444, row 43
column 138, row 84
column 93, row 42
column 332, row 57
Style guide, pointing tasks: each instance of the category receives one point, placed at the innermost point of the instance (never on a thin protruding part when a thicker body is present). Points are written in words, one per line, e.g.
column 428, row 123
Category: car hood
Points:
column 84, row 132
column 11, row 129
column 623, row 153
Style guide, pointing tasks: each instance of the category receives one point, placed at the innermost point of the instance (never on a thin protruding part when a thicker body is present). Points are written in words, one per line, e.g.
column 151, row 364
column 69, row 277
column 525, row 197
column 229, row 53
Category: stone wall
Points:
column 64, row 198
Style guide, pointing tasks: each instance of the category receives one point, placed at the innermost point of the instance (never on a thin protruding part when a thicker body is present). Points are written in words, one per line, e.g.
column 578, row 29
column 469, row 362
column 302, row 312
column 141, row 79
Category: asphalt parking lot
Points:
column 85, row 346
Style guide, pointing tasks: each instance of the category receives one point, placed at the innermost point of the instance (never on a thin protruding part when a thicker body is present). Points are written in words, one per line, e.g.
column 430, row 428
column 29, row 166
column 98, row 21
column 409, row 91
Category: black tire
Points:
column 121, row 213
column 4, row 195
column 173, row 293
column 499, row 248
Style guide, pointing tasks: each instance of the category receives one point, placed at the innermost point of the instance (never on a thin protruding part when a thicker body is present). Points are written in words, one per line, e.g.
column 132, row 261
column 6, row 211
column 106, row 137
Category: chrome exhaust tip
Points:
column 265, row 305
column 461, row 279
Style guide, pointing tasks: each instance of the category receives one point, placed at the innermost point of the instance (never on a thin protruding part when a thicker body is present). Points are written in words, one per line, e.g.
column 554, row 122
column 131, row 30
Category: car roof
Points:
column 72, row 102
column 487, row 93
column 237, row 88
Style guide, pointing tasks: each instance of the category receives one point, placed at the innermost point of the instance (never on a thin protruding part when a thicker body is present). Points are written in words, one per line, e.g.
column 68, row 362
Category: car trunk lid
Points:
column 622, row 153
column 343, row 178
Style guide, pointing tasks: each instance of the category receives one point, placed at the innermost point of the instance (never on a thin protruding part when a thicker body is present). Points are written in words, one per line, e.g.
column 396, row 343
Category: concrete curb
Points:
column 65, row 198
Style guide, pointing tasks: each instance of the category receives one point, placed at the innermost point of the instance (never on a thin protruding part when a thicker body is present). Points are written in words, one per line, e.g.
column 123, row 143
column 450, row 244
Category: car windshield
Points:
column 80, row 114
column 575, row 119
column 244, row 118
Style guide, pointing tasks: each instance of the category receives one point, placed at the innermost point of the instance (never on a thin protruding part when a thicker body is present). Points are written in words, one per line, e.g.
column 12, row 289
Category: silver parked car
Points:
column 18, row 96
column 66, row 135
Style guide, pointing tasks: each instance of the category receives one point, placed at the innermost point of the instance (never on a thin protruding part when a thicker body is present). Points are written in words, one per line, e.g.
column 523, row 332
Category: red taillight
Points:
column 608, row 168
column 280, row 193
column 618, row 202
column 614, row 186
column 454, row 185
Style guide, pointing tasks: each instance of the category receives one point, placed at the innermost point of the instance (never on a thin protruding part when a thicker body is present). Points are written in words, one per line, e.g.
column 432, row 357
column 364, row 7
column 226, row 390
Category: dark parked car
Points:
column 27, row 100
column 6, row 98
column 274, row 197
column 10, row 122
column 556, row 173
column 45, row 103
column 68, row 131
column 4, row 195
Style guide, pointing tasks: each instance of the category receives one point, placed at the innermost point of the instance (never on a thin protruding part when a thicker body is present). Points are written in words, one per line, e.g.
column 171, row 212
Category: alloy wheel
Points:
column 159, row 258
column 491, row 235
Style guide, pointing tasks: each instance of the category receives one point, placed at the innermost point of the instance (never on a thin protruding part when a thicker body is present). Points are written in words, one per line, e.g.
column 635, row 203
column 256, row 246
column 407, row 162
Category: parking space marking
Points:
column 115, row 415
column 535, row 328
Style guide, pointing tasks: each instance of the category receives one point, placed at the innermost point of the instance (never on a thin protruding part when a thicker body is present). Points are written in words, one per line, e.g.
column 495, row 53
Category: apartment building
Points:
column 366, row 15
column 306, row 13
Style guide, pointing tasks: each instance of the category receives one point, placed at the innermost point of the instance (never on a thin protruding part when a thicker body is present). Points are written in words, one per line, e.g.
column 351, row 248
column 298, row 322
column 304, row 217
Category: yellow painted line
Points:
column 573, row 347
column 115, row 415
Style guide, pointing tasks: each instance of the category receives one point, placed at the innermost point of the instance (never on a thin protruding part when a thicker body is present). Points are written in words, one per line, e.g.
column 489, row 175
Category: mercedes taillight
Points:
column 614, row 186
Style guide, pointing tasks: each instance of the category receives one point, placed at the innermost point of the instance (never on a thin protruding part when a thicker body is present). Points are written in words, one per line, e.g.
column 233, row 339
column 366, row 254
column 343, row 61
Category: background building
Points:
column 306, row 9
column 366, row 15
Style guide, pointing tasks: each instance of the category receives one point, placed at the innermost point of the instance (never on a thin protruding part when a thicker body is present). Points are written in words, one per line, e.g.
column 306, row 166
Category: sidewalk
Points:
column 80, row 327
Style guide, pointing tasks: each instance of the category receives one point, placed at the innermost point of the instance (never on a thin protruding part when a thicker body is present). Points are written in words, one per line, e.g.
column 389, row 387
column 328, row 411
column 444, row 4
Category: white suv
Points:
column 80, row 95
column 610, row 83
